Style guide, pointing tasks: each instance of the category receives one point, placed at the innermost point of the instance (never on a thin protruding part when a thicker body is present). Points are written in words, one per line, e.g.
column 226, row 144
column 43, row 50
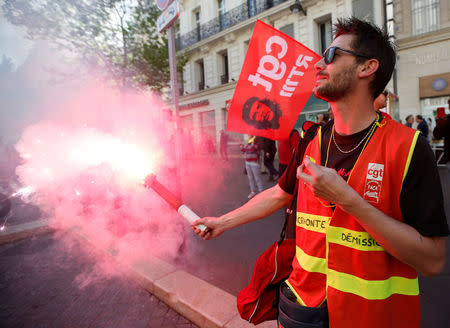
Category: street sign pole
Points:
column 175, row 96
column 166, row 22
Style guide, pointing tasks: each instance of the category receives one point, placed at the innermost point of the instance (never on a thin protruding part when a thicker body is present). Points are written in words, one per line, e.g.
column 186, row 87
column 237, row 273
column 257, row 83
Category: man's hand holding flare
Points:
column 214, row 227
column 326, row 183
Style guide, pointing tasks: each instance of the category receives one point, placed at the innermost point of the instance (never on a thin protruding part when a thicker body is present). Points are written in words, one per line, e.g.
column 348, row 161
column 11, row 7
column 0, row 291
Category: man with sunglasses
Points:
column 370, row 207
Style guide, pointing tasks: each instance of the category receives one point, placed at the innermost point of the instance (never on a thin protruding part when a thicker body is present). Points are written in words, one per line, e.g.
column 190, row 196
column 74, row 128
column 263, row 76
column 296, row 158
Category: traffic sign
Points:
column 167, row 17
column 162, row 4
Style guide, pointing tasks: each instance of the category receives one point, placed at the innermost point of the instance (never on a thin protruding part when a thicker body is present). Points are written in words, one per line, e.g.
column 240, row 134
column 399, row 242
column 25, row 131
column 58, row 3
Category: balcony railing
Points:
column 222, row 22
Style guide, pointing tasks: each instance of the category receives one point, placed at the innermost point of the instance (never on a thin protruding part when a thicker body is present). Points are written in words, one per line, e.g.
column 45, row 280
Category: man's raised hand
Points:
column 325, row 183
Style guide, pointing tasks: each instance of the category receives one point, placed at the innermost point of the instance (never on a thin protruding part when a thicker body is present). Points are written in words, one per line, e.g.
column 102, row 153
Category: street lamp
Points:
column 297, row 7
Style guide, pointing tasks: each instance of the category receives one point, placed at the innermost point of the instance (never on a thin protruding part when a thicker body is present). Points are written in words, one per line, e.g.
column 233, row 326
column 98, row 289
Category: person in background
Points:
column 409, row 121
column 431, row 124
column 286, row 148
column 319, row 118
column 442, row 130
column 252, row 166
column 269, row 150
column 380, row 102
column 330, row 113
column 209, row 144
column 224, row 145
column 422, row 126
column 370, row 209
column 322, row 118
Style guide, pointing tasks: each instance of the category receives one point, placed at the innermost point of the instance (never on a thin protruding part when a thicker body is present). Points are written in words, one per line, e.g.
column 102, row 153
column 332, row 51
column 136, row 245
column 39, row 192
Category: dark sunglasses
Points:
column 328, row 55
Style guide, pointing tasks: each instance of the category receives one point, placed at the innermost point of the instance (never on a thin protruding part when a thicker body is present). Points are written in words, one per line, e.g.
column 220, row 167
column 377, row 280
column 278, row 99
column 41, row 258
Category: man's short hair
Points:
column 371, row 41
column 419, row 117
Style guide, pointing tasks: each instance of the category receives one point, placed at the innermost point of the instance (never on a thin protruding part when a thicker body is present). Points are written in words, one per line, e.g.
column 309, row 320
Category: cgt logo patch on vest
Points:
column 374, row 180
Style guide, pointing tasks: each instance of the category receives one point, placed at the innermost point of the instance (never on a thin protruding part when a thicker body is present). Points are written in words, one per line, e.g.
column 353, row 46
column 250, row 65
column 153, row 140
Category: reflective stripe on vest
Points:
column 311, row 263
column 311, row 222
column 372, row 289
column 315, row 223
column 360, row 240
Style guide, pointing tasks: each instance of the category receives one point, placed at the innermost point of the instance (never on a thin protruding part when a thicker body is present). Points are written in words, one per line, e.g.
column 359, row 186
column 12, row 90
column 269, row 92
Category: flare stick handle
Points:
column 169, row 197
column 189, row 215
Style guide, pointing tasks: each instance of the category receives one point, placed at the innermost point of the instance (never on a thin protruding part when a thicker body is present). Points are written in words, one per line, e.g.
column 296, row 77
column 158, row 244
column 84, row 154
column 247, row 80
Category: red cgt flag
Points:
column 276, row 81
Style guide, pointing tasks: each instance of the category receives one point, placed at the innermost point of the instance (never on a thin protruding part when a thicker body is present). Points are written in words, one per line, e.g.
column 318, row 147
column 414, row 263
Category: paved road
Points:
column 45, row 283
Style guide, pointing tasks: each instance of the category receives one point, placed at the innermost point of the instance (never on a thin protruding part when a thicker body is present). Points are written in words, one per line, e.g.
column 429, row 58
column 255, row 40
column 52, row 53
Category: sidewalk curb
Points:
column 25, row 230
column 198, row 301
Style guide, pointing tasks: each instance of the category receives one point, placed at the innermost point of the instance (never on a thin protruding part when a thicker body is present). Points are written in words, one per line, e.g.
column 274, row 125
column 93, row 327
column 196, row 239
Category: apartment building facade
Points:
column 422, row 29
column 215, row 35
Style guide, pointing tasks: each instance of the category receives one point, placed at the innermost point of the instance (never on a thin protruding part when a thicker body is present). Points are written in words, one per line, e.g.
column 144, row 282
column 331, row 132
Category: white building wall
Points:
column 418, row 62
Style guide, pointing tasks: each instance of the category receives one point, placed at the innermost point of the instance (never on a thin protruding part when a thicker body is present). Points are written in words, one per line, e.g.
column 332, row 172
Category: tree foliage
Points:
column 118, row 36
column 150, row 54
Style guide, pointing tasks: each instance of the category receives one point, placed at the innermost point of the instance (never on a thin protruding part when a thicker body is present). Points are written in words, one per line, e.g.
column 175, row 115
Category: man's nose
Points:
column 319, row 65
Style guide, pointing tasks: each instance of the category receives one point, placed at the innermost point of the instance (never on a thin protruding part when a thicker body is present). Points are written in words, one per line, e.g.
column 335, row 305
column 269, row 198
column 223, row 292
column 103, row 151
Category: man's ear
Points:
column 368, row 68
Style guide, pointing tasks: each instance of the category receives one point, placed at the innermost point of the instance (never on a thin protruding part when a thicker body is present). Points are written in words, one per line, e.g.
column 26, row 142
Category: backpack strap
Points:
column 288, row 230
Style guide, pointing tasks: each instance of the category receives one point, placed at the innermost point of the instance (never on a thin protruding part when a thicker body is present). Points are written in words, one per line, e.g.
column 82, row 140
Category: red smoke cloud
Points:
column 85, row 162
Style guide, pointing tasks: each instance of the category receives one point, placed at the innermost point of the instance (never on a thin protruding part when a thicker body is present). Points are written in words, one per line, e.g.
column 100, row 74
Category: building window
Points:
column 208, row 120
column 425, row 16
column 325, row 34
column 200, row 74
column 251, row 8
column 221, row 12
column 176, row 27
column 390, row 19
column 288, row 30
column 246, row 46
column 180, row 80
column 187, row 122
column 177, row 35
column 224, row 112
column 363, row 9
column 223, row 67
column 196, row 14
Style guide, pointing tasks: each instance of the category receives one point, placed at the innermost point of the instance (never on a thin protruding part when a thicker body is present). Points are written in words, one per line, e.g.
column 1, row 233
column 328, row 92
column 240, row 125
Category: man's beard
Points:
column 337, row 87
